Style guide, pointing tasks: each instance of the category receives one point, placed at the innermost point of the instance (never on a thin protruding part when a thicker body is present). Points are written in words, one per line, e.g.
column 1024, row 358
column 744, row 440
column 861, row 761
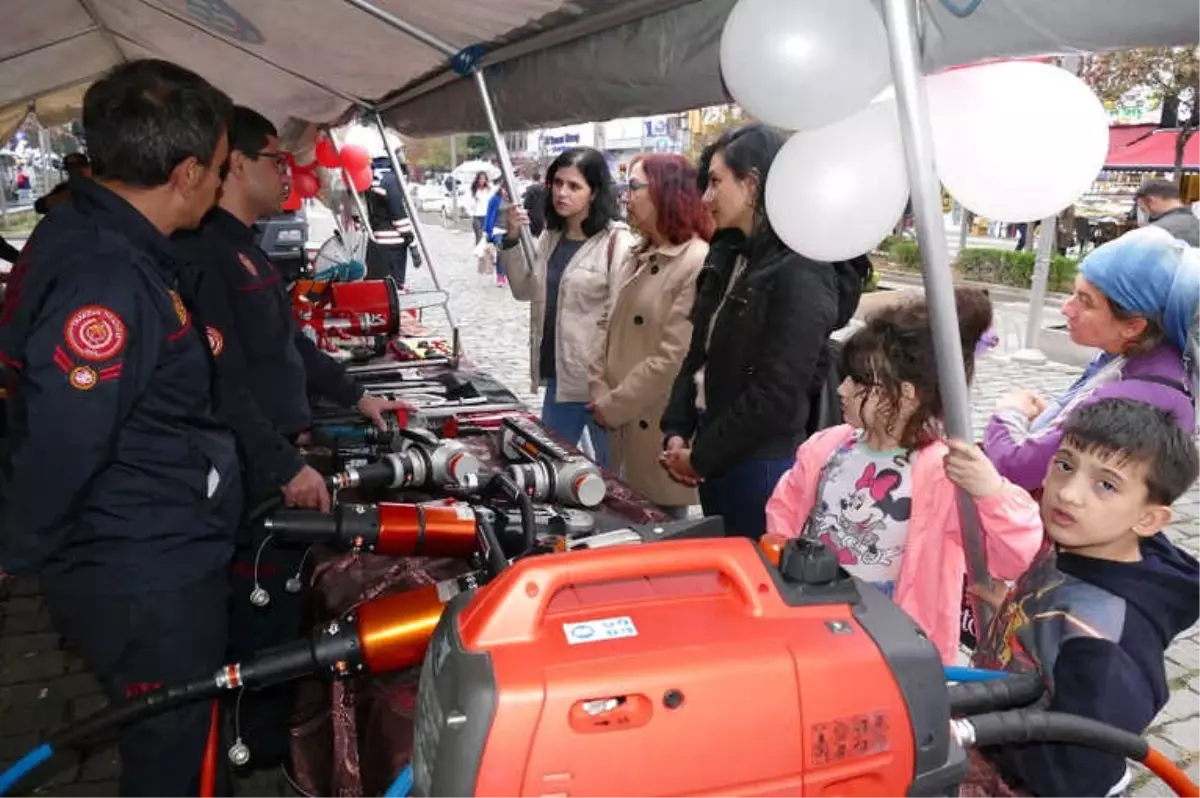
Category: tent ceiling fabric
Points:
column 559, row 60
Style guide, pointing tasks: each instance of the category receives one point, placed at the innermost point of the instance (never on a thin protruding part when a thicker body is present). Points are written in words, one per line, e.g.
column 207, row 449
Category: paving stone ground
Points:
column 43, row 687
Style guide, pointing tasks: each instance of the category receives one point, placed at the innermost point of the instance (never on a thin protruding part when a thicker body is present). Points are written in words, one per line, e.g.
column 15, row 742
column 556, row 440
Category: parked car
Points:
column 431, row 198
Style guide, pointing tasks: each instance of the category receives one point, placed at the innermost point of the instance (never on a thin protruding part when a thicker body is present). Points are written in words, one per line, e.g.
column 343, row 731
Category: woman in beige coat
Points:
column 648, row 328
column 568, row 287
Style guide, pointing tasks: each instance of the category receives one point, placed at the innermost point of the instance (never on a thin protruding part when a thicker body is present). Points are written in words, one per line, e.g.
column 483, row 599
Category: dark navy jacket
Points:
column 116, row 477
column 266, row 368
column 1097, row 631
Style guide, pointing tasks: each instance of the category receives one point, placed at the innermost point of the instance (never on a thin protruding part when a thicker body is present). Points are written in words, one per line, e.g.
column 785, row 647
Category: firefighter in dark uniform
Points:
column 266, row 370
column 119, row 488
column 387, row 254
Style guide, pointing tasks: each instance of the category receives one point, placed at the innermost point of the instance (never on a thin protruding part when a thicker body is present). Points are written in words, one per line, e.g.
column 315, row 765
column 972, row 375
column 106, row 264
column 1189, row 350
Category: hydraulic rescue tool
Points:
column 549, row 472
column 680, row 668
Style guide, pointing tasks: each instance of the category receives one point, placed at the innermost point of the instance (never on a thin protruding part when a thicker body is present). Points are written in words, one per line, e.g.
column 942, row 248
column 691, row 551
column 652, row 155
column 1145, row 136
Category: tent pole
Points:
column 411, row 208
column 467, row 63
column 913, row 107
column 1041, row 275
column 506, row 167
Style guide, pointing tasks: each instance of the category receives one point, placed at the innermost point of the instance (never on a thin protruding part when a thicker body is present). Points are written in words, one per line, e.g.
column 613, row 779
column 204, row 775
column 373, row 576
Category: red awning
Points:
column 1121, row 136
column 1154, row 153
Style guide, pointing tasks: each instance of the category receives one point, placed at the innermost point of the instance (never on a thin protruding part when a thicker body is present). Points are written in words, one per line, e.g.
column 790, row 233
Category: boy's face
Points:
column 1097, row 504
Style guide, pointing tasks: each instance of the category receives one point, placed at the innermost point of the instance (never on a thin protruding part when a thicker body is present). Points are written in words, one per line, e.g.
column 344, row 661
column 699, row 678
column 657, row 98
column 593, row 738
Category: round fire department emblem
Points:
column 180, row 308
column 216, row 341
column 95, row 333
column 82, row 378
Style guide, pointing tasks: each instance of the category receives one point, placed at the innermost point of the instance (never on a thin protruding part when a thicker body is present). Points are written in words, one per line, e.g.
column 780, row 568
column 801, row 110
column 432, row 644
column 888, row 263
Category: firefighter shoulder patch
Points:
column 95, row 333
column 216, row 341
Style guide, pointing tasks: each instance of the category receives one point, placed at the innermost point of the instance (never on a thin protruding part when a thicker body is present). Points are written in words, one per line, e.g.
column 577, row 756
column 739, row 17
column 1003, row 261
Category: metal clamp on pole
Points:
column 411, row 208
column 464, row 61
column 1030, row 353
column 913, row 107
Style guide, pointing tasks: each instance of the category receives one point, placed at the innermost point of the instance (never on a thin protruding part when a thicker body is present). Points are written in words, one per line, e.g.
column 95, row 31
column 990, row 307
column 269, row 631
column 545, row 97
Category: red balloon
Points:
column 355, row 157
column 326, row 155
column 361, row 178
column 305, row 184
column 293, row 201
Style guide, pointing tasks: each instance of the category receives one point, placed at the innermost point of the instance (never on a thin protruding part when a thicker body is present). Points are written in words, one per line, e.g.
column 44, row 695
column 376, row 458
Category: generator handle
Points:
column 513, row 607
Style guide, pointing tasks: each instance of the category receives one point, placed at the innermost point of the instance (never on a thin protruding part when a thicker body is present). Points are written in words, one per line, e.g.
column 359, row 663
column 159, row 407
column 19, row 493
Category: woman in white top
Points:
column 477, row 203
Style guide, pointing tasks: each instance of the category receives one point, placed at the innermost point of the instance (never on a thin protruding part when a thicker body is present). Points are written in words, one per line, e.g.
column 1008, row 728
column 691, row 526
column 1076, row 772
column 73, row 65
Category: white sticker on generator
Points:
column 602, row 629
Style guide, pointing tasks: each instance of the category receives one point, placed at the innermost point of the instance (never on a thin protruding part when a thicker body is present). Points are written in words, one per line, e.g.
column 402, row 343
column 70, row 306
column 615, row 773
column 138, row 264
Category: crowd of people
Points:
column 691, row 352
column 159, row 388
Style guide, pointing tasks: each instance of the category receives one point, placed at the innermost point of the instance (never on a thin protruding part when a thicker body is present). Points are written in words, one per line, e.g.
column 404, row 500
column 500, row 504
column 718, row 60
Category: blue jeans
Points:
column 569, row 419
column 740, row 495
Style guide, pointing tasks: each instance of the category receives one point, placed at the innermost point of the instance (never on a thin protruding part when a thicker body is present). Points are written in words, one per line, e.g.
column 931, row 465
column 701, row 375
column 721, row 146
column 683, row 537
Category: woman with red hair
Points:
column 649, row 328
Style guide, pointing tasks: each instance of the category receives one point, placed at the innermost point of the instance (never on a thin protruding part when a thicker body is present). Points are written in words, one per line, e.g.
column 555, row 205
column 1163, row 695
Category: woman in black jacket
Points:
column 763, row 314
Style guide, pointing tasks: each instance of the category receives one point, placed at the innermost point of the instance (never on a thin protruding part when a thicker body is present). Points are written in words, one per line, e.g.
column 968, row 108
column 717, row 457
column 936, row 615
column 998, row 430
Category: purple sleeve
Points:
column 1161, row 396
column 1020, row 456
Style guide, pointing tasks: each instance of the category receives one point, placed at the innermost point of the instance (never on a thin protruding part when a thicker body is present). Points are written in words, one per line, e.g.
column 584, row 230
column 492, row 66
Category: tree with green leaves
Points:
column 430, row 153
column 479, row 145
column 1170, row 74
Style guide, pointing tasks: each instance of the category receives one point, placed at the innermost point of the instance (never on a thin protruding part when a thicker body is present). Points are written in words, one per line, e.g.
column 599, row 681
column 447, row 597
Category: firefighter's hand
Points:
column 678, row 463
column 968, row 467
column 518, row 217
column 373, row 408
column 307, row 490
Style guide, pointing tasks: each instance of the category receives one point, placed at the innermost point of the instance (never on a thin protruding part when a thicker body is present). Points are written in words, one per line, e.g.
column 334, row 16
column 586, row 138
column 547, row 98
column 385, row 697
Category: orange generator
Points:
column 682, row 668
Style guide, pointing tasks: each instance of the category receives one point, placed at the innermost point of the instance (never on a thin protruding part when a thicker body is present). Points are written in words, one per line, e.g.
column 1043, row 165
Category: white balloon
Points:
column 1016, row 141
column 835, row 192
column 801, row 64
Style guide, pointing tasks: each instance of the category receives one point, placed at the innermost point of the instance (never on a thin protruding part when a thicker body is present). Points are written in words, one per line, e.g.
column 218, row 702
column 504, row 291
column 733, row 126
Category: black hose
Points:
column 502, row 484
column 972, row 698
column 1039, row 726
column 152, row 703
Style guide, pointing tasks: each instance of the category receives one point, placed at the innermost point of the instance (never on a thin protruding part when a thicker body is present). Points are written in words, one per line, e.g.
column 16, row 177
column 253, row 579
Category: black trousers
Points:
column 265, row 716
column 134, row 643
column 387, row 260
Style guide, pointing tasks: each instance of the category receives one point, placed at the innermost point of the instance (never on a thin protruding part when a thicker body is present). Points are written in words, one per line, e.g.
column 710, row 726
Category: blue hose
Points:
column 21, row 768
column 402, row 786
column 956, row 674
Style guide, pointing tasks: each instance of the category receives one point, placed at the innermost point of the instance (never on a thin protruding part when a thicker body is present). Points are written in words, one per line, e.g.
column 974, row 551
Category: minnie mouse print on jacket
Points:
column 862, row 513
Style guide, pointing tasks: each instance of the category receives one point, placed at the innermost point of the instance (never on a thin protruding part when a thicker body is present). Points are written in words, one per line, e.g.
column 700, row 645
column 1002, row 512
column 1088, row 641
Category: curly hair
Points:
column 895, row 346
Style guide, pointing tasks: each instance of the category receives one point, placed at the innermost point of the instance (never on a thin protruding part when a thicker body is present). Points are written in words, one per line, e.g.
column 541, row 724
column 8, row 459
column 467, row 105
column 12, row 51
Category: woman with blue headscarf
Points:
column 1136, row 300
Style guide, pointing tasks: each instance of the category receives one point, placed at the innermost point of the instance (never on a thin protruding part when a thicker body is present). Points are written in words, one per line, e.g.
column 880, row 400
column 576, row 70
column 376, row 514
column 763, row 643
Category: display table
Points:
column 352, row 736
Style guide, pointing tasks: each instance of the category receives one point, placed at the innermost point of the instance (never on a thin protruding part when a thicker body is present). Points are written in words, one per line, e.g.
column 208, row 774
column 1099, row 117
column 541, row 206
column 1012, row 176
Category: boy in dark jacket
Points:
column 1097, row 609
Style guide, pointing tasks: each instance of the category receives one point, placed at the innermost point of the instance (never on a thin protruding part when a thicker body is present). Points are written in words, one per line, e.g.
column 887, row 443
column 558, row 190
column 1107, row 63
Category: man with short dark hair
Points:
column 266, row 369
column 1159, row 204
column 119, row 488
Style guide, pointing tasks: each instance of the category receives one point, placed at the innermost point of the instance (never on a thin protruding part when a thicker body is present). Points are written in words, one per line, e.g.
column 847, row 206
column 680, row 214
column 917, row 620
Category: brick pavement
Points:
column 43, row 687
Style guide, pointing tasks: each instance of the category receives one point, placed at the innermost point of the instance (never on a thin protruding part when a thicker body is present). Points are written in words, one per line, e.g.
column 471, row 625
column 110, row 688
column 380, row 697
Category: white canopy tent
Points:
column 548, row 61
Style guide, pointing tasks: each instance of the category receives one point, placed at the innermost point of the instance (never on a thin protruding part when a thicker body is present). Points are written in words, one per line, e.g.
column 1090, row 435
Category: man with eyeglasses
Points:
column 119, row 488
column 265, row 371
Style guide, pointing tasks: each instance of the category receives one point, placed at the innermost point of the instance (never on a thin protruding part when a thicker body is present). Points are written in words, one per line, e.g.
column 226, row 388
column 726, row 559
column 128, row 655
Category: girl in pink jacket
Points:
column 880, row 490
